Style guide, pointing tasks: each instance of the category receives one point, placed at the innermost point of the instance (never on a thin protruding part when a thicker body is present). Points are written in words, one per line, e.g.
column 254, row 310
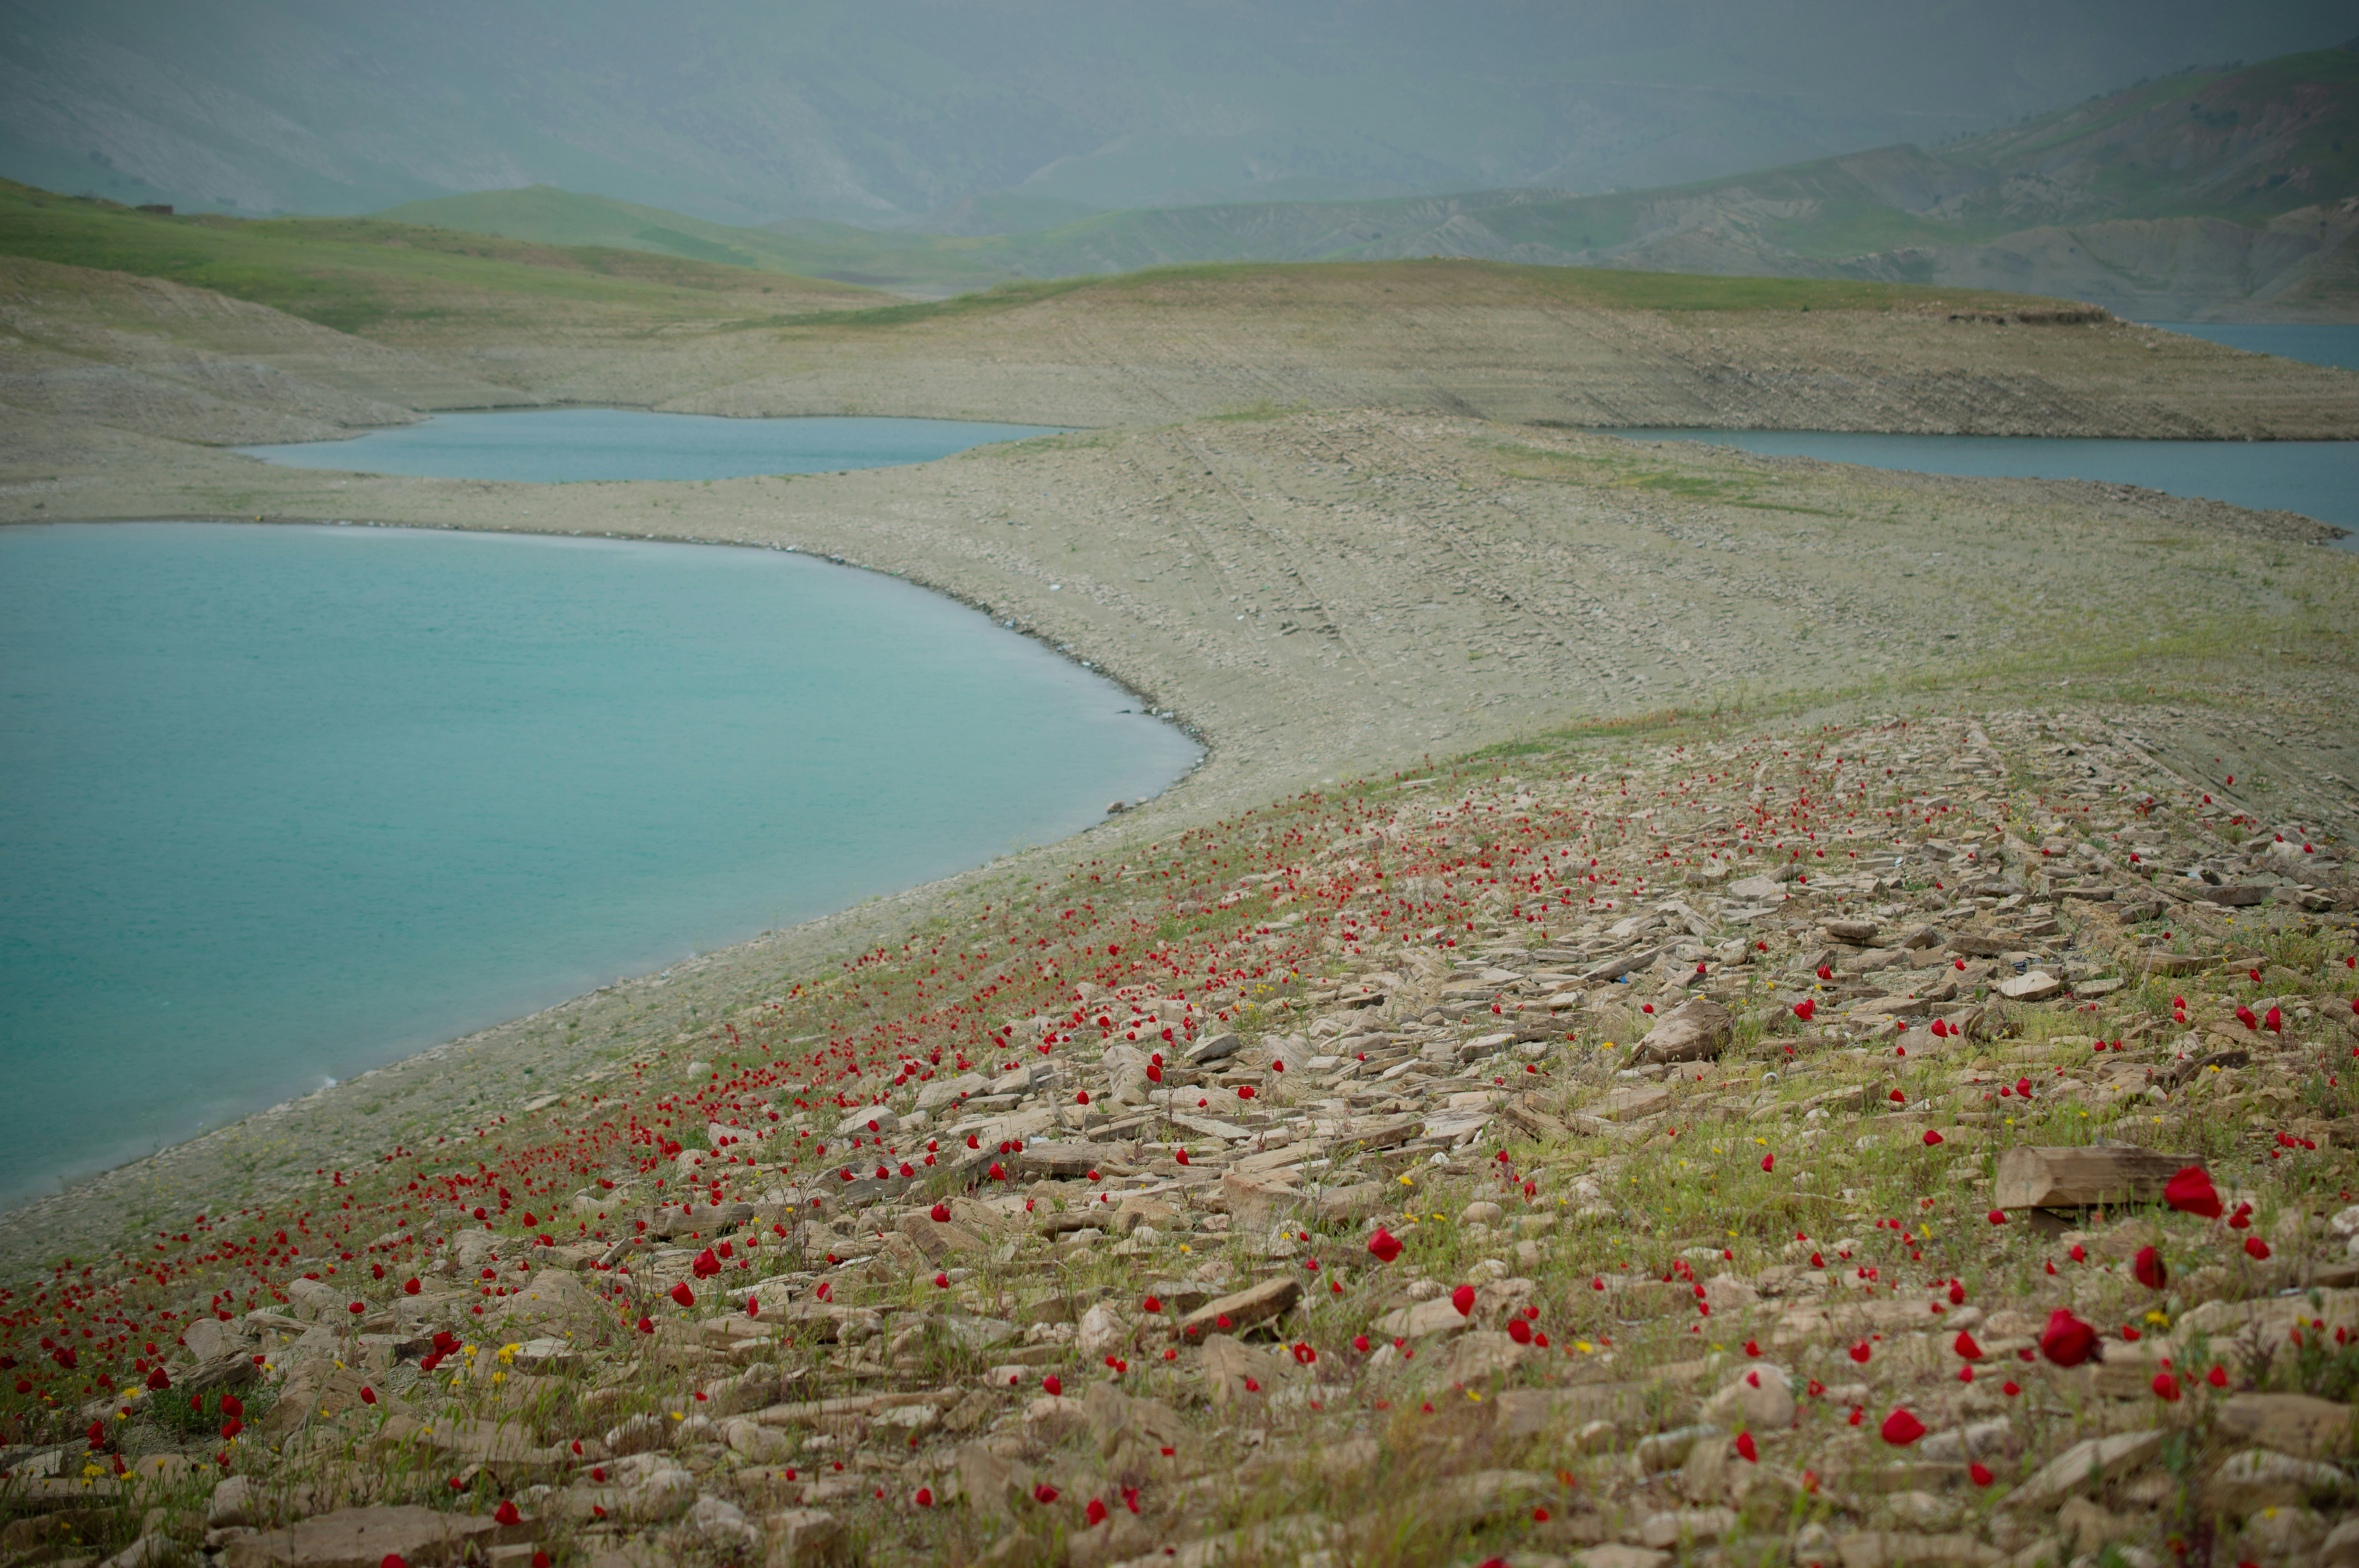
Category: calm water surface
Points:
column 2326, row 345
column 2317, row 479
column 279, row 805
column 547, row 446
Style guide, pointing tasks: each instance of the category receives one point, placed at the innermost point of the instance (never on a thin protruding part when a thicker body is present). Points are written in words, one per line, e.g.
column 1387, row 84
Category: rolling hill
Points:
column 748, row 111
column 354, row 273
column 2221, row 192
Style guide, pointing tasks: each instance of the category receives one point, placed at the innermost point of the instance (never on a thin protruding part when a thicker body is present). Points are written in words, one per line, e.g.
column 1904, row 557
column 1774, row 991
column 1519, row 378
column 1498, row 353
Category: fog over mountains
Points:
column 884, row 112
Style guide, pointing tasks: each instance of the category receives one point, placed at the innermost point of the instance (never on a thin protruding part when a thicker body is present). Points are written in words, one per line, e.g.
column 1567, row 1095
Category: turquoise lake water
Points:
column 2320, row 345
column 2317, row 479
column 281, row 803
column 551, row 446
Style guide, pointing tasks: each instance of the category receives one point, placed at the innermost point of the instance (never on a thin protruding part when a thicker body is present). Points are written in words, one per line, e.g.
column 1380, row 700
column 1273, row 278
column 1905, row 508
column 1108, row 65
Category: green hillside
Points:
column 353, row 272
column 2248, row 147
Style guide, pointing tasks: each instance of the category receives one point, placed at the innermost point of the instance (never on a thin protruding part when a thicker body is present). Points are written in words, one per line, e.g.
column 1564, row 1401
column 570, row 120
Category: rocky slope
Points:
column 1903, row 1140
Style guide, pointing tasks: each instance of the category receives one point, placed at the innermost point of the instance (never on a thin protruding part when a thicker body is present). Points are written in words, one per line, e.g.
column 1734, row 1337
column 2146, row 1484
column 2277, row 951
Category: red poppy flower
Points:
column 2067, row 1341
column 2191, row 1192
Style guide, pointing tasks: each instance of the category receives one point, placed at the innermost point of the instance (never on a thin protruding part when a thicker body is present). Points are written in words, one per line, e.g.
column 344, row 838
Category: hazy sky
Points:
column 747, row 110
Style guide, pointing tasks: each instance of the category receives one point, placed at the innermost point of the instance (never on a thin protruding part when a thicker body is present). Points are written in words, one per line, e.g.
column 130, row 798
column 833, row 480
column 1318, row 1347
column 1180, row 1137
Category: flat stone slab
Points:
column 1271, row 1298
column 363, row 1537
column 1423, row 1320
column 1208, row 1127
column 2038, row 985
column 2097, row 1459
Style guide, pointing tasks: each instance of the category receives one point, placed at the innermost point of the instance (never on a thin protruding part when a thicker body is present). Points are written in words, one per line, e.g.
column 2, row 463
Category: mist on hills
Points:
column 971, row 116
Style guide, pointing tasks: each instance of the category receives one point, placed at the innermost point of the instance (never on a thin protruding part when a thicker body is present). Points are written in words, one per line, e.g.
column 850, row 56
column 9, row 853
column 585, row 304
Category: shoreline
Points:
column 1332, row 521
column 741, row 947
column 1279, row 698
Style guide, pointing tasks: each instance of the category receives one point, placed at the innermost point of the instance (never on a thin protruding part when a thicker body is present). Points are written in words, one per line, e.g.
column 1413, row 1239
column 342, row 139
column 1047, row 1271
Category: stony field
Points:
column 1701, row 1008
column 1915, row 1140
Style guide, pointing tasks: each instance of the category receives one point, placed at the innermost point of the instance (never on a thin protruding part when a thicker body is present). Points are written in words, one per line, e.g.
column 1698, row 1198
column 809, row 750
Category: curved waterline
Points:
column 608, row 755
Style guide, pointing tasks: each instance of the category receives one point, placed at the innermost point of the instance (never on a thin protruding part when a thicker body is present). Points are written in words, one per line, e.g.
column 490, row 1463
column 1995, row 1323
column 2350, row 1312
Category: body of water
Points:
column 2318, row 345
column 281, row 803
column 2317, row 479
column 548, row 446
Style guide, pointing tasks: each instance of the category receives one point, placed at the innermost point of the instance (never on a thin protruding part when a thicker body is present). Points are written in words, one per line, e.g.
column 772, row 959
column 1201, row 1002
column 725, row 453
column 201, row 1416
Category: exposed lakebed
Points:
column 281, row 804
column 549, row 446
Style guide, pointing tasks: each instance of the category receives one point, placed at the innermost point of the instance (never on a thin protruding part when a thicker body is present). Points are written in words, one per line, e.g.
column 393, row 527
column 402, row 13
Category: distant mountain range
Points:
column 940, row 113
column 2208, row 194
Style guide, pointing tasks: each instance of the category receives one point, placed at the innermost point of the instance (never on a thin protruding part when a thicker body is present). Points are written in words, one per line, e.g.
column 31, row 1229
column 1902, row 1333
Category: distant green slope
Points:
column 354, row 273
column 2247, row 147
column 932, row 263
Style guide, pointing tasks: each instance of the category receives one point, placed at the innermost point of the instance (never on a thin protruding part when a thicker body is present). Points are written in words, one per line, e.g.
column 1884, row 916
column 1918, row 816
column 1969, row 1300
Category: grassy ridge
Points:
column 354, row 273
column 2245, row 145
column 1290, row 284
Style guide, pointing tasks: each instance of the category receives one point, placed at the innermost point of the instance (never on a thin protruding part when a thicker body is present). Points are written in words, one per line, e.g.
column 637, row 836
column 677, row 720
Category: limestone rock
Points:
column 1899, row 1548
column 1051, row 1419
column 1981, row 1440
column 363, row 1537
column 722, row 1525
column 1425, row 1320
column 762, row 1444
column 804, row 1538
column 2035, row 985
column 2070, row 1176
column 1268, row 1300
column 941, row 1092
column 1237, row 1373
column 2095, row 1458
column 1256, row 1197
column 2299, row 1424
column 1758, row 1398
column 1484, row 1354
column 233, row 1504
column 2257, row 1479
column 1615, row 1554
column 1100, row 1329
column 1691, row 1032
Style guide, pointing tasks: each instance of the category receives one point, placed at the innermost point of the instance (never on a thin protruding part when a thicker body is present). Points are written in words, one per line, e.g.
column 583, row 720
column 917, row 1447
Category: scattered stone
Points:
column 1235, row 1313
column 1691, row 1032
column 2299, row 1424
column 2091, row 1461
column 2078, row 1176
column 365, row 1538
